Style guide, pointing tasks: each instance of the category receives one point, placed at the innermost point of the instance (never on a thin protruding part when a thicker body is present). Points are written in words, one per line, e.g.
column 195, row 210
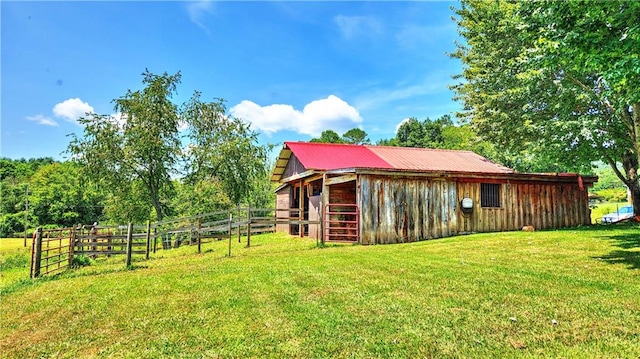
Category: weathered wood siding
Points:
column 283, row 200
column 406, row 209
column 314, row 215
column 294, row 167
column 343, row 193
column 544, row 205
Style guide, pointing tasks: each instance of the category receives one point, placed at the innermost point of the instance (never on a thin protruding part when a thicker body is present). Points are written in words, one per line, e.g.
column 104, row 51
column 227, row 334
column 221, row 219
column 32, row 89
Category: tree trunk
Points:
column 635, row 197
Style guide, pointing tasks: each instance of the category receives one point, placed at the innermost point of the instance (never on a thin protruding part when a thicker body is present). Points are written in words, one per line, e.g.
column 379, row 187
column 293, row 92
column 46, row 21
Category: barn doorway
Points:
column 341, row 214
column 300, row 190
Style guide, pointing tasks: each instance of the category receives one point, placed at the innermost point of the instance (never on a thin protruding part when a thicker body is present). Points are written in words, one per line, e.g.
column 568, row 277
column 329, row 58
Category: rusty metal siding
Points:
column 398, row 210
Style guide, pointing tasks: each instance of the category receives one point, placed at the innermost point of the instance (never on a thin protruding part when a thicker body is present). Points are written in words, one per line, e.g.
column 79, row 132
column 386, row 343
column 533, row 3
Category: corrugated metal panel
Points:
column 328, row 156
column 422, row 159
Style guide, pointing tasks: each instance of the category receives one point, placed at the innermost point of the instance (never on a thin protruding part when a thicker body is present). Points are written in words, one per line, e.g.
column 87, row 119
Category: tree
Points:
column 14, row 183
column 356, row 136
column 423, row 134
column 223, row 149
column 328, row 136
column 557, row 80
column 60, row 196
column 142, row 145
column 138, row 156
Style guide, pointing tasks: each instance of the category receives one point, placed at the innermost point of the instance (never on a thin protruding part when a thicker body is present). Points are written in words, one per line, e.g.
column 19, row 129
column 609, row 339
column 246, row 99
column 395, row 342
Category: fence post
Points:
column 129, row 240
column 230, row 219
column 72, row 243
column 199, row 235
column 239, row 223
column 249, row 226
column 146, row 254
column 37, row 254
column 155, row 238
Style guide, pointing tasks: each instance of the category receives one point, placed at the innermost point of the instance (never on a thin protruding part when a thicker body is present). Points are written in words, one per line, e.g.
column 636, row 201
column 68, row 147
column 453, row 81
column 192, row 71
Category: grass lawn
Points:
column 570, row 293
column 14, row 261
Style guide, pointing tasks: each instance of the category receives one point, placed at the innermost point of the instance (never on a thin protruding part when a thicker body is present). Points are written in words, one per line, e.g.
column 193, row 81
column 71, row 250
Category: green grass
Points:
column 485, row 295
column 14, row 261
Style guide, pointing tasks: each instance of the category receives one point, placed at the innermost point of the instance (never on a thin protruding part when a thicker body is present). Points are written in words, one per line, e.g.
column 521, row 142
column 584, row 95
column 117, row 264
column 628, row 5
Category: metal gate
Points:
column 341, row 222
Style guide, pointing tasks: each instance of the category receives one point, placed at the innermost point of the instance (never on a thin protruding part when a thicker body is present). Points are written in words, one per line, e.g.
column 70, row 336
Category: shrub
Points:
column 80, row 261
column 614, row 194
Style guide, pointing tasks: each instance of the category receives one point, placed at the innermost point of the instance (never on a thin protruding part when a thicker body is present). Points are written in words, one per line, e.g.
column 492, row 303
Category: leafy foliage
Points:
column 354, row 136
column 61, row 195
column 138, row 156
column 328, row 136
column 555, row 79
column 223, row 149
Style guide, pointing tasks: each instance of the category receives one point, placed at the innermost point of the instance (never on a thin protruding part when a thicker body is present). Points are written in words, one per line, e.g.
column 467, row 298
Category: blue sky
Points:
column 292, row 69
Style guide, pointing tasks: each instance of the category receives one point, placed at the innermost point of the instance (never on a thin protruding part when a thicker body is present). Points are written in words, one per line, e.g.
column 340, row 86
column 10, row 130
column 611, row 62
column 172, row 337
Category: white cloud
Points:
column 72, row 109
column 352, row 27
column 197, row 10
column 43, row 120
column 319, row 115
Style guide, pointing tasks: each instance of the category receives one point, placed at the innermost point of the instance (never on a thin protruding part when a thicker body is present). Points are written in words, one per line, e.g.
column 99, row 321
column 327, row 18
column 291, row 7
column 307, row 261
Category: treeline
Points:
column 45, row 192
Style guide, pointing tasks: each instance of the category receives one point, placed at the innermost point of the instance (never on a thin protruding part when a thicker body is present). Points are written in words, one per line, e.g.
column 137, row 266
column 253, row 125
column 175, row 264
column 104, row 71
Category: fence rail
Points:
column 50, row 251
column 342, row 222
column 54, row 250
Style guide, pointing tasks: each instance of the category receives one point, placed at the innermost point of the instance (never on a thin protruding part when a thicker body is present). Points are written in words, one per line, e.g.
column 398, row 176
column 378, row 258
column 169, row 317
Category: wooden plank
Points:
column 366, row 218
column 340, row 179
column 376, row 200
column 444, row 207
column 453, row 208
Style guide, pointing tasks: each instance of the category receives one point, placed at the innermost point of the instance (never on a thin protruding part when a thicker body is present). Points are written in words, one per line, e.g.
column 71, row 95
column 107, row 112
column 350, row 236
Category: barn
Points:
column 380, row 194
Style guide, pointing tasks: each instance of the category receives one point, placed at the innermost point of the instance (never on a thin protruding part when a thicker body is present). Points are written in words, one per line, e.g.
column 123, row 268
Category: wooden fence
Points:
column 53, row 250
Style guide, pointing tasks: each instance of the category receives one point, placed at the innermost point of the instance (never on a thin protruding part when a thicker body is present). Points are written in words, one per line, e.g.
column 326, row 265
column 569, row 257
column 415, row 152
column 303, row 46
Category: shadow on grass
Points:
column 625, row 236
column 629, row 258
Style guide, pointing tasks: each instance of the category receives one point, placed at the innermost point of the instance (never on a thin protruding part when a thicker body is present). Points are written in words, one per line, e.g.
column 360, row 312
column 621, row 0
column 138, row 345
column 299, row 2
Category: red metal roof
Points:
column 437, row 160
column 326, row 156
column 329, row 156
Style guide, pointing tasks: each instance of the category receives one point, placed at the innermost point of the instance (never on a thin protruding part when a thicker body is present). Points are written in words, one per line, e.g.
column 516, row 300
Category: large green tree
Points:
column 142, row 144
column 556, row 79
column 222, row 149
column 139, row 154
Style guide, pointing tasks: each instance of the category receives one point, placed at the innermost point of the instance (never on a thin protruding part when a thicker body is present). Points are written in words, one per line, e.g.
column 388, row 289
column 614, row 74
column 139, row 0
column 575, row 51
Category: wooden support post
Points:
column 155, row 239
column 248, row 226
column 199, row 234
column 37, row 254
column 239, row 221
column 230, row 219
column 148, row 249
column 72, row 243
column 324, row 201
column 301, row 209
column 129, row 244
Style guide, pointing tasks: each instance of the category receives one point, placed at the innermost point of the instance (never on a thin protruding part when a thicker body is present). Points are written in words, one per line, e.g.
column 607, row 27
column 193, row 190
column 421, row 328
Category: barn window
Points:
column 490, row 195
